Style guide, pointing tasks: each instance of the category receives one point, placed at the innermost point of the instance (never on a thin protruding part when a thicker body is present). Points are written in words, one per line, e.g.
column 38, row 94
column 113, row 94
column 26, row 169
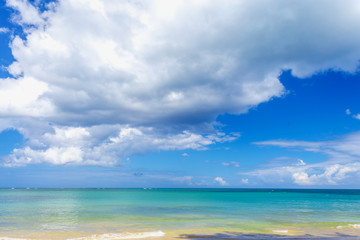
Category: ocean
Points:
column 179, row 214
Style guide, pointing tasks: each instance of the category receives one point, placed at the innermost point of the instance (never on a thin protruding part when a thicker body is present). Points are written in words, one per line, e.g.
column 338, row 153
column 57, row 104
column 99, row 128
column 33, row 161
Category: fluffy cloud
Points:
column 28, row 14
column 325, row 173
column 120, row 62
column 163, row 70
column 21, row 97
column 220, row 181
column 343, row 162
column 103, row 145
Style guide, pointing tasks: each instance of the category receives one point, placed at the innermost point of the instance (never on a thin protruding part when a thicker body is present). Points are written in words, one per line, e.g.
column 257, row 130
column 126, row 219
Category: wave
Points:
column 109, row 236
column 280, row 231
column 356, row 226
column 127, row 235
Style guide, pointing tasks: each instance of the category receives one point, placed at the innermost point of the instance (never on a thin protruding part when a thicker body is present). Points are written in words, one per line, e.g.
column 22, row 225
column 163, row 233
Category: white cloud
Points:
column 104, row 145
column 342, row 164
column 130, row 66
column 173, row 69
column 332, row 174
column 184, row 179
column 185, row 155
column 347, row 145
column 23, row 97
column 356, row 116
column 300, row 162
column 231, row 164
column 4, row 30
column 220, row 181
column 322, row 174
column 245, row 181
column 301, row 178
column 289, row 143
column 28, row 14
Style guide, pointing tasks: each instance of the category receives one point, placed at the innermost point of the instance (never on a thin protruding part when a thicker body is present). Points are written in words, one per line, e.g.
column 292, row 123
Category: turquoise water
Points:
column 83, row 212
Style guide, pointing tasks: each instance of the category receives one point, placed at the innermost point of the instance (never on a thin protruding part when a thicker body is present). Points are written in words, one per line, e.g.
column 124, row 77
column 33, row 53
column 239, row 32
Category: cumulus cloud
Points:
column 220, row 181
column 27, row 13
column 343, row 162
column 325, row 173
column 140, row 67
column 102, row 145
column 168, row 66
column 21, row 97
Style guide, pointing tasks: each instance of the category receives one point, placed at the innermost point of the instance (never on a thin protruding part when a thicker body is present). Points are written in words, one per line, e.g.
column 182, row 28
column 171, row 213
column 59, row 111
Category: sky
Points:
column 236, row 94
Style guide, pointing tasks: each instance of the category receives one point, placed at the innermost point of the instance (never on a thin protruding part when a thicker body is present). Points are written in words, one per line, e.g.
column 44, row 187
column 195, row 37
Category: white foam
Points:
column 127, row 235
column 357, row 226
column 281, row 231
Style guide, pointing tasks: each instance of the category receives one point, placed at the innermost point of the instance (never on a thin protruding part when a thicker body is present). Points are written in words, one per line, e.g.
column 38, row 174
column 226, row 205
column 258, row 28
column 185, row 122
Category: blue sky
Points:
column 179, row 94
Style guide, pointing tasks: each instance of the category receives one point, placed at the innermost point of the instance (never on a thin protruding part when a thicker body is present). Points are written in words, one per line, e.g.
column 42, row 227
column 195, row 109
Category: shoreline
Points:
column 191, row 234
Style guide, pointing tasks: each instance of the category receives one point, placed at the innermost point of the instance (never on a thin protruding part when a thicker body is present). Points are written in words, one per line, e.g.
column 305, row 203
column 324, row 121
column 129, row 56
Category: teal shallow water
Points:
column 97, row 211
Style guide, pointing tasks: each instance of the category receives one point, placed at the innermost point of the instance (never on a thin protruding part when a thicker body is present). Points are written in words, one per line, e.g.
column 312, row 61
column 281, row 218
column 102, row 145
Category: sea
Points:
column 179, row 214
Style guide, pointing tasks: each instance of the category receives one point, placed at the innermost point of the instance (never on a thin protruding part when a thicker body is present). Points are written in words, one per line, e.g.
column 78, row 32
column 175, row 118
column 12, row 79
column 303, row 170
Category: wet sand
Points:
column 258, row 236
column 177, row 235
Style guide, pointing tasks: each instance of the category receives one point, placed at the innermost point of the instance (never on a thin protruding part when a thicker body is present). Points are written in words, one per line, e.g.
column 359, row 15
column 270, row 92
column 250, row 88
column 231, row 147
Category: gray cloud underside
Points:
column 170, row 67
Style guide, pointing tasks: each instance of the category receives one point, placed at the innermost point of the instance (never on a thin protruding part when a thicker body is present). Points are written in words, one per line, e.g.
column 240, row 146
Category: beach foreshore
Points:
column 203, row 234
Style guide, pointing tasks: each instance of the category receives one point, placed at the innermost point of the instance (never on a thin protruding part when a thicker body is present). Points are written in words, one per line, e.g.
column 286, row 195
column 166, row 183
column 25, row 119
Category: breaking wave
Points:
column 127, row 235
